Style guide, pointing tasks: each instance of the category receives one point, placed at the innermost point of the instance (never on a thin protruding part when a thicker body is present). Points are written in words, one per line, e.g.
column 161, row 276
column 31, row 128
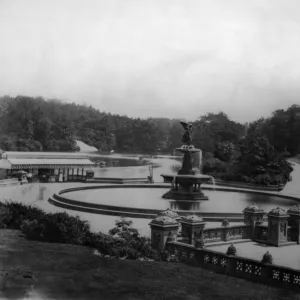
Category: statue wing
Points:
column 184, row 124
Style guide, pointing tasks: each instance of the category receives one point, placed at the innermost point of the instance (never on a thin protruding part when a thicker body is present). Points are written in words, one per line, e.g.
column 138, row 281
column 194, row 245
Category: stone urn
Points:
column 267, row 258
column 231, row 250
column 225, row 223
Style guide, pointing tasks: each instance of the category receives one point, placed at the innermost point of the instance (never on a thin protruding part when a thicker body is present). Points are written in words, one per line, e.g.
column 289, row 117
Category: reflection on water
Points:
column 113, row 162
column 185, row 205
column 151, row 198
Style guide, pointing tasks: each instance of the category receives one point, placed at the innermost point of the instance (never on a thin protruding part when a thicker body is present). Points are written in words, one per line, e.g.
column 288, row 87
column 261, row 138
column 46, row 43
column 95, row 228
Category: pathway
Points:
column 293, row 187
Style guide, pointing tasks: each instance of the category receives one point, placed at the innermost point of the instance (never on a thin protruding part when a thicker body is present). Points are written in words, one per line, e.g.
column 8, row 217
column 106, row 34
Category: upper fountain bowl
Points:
column 185, row 148
column 197, row 178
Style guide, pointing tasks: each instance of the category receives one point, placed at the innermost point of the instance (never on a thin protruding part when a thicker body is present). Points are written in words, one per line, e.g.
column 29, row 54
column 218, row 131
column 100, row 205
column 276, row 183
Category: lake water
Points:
column 38, row 194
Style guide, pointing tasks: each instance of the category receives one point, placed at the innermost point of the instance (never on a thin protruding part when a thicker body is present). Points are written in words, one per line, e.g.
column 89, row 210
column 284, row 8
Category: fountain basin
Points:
column 145, row 201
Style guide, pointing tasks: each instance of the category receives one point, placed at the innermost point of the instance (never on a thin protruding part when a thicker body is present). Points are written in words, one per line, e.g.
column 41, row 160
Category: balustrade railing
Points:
column 261, row 232
column 236, row 266
column 213, row 235
column 239, row 232
column 219, row 234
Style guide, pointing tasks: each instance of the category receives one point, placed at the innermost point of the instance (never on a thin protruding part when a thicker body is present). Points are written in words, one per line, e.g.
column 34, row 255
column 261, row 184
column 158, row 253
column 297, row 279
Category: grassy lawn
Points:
column 57, row 271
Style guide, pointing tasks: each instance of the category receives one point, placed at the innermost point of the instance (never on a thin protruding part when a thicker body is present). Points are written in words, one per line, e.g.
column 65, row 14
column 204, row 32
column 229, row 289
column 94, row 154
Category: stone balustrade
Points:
column 225, row 234
column 236, row 266
column 282, row 228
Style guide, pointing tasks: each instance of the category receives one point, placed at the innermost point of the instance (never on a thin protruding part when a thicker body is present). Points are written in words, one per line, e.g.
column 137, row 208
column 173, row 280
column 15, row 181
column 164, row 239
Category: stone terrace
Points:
column 288, row 256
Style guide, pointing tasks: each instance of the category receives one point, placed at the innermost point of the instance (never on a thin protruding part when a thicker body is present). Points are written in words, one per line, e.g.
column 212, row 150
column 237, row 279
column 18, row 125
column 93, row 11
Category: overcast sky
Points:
column 154, row 58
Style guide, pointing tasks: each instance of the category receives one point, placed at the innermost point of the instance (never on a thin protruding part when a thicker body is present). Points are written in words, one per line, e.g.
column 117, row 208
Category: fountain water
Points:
column 151, row 174
column 213, row 182
column 186, row 184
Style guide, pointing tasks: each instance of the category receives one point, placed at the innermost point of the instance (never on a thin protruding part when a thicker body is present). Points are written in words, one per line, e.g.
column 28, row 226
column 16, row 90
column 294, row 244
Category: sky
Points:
column 154, row 58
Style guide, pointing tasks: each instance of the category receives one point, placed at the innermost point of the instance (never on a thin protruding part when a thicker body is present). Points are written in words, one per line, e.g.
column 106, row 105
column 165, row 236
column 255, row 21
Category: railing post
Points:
column 226, row 228
column 163, row 229
column 277, row 226
column 253, row 215
column 294, row 212
column 193, row 228
column 266, row 266
column 231, row 265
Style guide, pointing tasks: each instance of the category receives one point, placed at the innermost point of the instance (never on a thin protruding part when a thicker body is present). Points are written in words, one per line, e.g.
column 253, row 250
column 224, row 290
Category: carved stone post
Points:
column 193, row 228
column 226, row 226
column 253, row 215
column 294, row 212
column 277, row 226
column 163, row 229
column 172, row 214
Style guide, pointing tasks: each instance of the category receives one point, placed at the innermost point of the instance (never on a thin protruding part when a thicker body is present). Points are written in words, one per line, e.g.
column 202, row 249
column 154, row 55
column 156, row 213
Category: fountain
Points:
column 186, row 185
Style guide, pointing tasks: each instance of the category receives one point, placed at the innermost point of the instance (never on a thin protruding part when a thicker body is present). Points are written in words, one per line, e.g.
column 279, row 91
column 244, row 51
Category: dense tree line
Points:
column 35, row 124
column 248, row 152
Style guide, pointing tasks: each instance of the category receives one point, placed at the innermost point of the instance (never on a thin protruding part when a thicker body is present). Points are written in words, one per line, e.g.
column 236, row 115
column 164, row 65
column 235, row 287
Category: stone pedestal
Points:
column 294, row 213
column 277, row 226
column 193, row 229
column 253, row 215
column 186, row 185
column 187, row 163
column 163, row 230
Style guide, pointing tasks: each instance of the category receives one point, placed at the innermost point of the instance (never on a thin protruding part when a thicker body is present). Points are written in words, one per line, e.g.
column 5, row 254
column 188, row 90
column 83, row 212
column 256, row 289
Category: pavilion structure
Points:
column 53, row 166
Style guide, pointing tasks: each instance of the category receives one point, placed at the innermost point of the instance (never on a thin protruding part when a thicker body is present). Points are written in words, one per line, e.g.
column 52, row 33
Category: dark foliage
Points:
column 253, row 153
column 124, row 241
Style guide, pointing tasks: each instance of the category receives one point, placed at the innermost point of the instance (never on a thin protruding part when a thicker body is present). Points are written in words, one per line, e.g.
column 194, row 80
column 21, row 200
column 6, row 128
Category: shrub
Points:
column 33, row 229
column 213, row 165
column 20, row 212
column 133, row 245
column 123, row 240
column 67, row 229
column 129, row 253
column 5, row 216
column 124, row 229
column 57, row 228
column 208, row 155
column 263, row 179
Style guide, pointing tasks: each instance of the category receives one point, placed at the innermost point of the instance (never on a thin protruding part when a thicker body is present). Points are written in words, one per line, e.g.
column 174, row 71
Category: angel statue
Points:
column 187, row 136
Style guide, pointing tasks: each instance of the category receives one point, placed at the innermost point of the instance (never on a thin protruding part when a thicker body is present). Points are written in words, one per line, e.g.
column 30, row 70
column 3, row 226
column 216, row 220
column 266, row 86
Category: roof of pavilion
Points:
column 19, row 154
column 31, row 160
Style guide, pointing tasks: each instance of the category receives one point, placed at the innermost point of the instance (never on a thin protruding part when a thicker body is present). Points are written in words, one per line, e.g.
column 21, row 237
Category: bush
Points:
column 33, row 229
column 65, row 228
column 123, row 229
column 213, row 165
column 57, row 228
column 19, row 212
column 5, row 216
column 263, row 179
column 123, row 241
